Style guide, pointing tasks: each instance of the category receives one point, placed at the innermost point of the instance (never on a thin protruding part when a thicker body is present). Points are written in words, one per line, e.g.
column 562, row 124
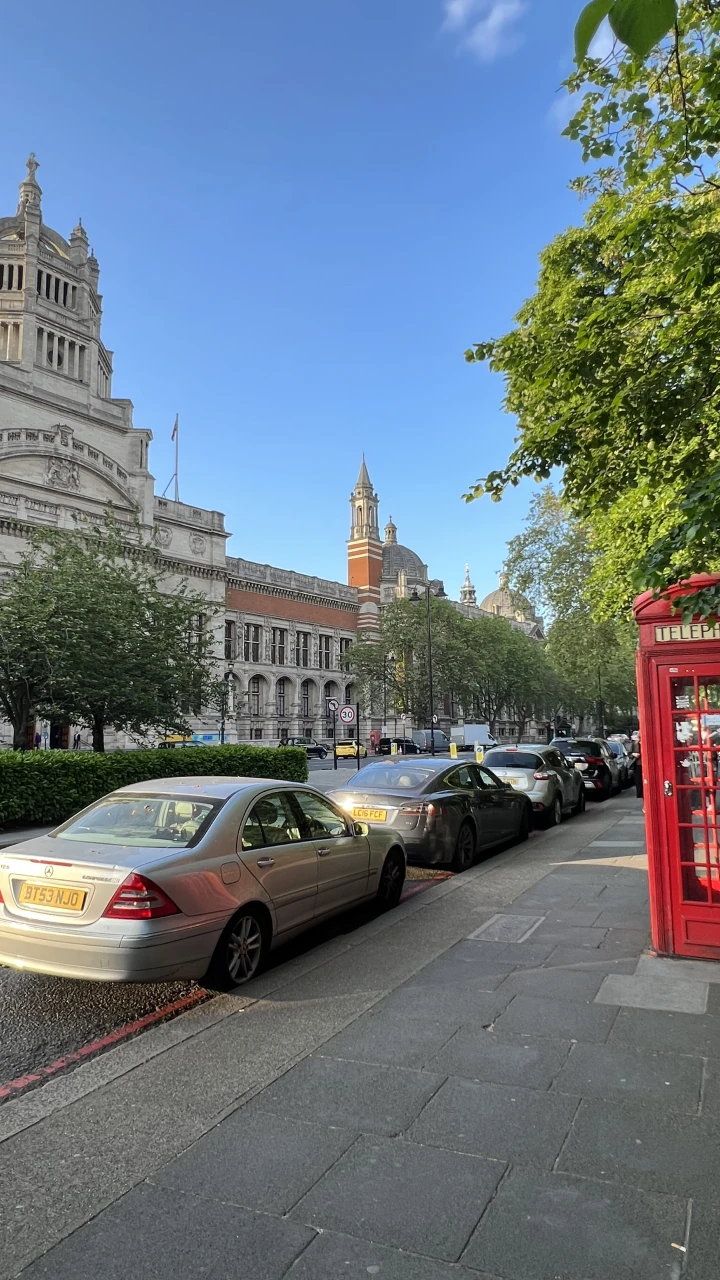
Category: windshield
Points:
column 511, row 759
column 395, row 777
column 149, row 821
column 578, row 746
column 617, row 748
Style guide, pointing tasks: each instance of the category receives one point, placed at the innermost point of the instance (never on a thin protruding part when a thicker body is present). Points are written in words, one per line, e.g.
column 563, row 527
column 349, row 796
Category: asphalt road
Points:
column 43, row 1020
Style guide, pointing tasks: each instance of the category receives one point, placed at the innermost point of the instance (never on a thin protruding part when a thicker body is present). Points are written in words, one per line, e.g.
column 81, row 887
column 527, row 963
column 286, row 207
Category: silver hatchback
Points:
column 551, row 783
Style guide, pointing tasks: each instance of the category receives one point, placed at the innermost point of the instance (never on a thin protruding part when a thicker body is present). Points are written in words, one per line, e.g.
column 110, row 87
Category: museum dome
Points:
column 397, row 558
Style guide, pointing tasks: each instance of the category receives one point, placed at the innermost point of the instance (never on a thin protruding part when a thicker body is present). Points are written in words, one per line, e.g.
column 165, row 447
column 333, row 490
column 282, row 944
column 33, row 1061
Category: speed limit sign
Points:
column 347, row 715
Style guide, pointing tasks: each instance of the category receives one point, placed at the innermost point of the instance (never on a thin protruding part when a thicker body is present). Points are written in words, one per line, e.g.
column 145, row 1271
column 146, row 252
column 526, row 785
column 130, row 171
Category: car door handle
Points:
column 266, row 862
column 323, row 852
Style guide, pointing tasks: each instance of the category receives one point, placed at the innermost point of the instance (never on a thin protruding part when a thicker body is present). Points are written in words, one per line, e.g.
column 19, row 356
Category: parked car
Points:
column 624, row 759
column 405, row 747
column 551, row 782
column 349, row 748
column 595, row 762
column 447, row 812
column 192, row 878
column 423, row 739
column 313, row 748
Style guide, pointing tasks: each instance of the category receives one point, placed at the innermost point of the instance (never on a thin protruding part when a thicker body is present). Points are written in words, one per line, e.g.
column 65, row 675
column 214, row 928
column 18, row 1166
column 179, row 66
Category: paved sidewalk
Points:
column 491, row 1083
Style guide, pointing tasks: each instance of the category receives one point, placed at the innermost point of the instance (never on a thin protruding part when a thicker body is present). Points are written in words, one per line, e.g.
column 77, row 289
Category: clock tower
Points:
column 365, row 551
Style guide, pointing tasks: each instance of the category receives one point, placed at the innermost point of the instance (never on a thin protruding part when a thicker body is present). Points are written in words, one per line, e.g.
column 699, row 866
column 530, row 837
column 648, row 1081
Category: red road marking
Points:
column 96, row 1046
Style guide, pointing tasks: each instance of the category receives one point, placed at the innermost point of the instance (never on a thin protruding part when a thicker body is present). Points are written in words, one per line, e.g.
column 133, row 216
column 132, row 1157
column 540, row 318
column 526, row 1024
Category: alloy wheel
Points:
column 244, row 948
column 464, row 849
column 391, row 883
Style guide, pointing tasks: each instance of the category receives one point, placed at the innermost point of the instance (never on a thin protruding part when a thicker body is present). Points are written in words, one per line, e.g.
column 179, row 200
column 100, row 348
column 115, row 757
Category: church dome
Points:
column 397, row 558
column 507, row 604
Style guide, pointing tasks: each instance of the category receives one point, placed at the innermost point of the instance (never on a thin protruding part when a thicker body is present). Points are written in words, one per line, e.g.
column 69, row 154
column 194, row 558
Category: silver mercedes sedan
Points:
column 189, row 877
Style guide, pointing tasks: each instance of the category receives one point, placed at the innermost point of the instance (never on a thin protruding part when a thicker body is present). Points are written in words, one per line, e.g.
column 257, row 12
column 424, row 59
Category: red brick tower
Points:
column 365, row 551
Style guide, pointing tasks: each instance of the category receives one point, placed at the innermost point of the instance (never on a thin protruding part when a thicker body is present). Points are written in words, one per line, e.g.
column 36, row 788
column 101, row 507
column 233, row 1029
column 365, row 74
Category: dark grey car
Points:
column 447, row 812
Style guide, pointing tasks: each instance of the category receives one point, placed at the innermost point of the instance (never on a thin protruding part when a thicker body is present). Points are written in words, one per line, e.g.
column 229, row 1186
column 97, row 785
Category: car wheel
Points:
column 580, row 806
column 555, row 814
column 525, row 824
column 392, row 881
column 464, row 854
column 240, row 951
column 323, row 755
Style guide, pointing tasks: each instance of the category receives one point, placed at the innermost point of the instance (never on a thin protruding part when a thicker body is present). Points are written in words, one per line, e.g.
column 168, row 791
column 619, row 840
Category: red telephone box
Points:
column 679, row 700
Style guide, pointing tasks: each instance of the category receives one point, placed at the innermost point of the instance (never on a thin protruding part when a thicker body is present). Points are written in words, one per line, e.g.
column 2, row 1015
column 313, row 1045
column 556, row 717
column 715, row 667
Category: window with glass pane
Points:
column 302, row 649
column 281, row 697
column 306, row 698
column 255, row 696
column 345, row 644
column 278, row 647
column 251, row 642
column 695, row 707
column 325, row 651
column 271, row 821
column 230, row 649
column 321, row 818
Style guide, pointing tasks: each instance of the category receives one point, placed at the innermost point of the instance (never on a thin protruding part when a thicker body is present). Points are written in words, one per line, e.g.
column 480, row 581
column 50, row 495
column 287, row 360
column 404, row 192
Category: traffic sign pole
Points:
column 334, row 715
column 357, row 733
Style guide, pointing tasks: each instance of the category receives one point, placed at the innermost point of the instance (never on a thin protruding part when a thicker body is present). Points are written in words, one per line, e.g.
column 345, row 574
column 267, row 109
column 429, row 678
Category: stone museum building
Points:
column 69, row 450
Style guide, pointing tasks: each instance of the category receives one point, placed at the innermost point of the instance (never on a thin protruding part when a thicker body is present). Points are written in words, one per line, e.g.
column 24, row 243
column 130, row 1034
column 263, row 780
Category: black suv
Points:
column 595, row 761
column 315, row 749
column 405, row 747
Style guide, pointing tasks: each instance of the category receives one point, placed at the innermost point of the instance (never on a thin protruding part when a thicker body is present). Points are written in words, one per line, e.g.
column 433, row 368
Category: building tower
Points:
column 468, row 595
column 50, row 308
column 365, row 551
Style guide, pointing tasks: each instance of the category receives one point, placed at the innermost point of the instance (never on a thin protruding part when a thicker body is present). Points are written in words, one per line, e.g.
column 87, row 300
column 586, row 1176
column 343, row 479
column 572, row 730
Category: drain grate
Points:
column 506, row 928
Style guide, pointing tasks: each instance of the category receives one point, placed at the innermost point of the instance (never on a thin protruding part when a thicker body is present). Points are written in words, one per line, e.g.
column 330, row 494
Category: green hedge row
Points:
column 49, row 786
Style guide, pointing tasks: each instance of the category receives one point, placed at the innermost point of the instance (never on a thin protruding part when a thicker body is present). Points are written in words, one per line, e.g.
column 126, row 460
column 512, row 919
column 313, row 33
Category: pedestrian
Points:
column 38, row 740
column 76, row 742
column 637, row 770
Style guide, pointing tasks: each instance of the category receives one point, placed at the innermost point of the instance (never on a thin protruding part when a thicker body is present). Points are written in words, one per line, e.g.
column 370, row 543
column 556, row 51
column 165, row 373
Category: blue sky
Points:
column 304, row 213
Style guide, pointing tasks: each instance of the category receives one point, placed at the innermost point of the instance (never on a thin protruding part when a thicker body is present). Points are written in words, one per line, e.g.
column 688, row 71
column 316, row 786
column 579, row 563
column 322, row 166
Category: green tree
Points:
column 553, row 563
column 639, row 24
column 107, row 644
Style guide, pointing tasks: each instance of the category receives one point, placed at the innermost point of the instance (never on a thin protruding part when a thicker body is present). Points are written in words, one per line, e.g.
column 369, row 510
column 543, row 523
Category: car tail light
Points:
column 542, row 777
column 423, row 807
column 139, row 899
column 594, row 760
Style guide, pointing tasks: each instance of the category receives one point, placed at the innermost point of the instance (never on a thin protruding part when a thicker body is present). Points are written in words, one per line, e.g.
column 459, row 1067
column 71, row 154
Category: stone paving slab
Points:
column 568, row 1020
column 646, row 991
column 643, row 1146
column 256, row 1160
column 581, row 985
column 453, row 1003
column 397, row 1193
column 476, row 1054
column 662, row 1032
column 612, row 1070
column 544, row 1225
column 385, row 1036
column 336, row 1257
column 357, row 1095
column 152, row 1233
column 689, row 970
column 502, row 1122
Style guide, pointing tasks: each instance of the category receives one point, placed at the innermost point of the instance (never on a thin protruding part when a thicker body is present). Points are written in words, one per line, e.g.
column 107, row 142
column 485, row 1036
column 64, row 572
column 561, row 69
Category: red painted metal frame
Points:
column 657, row 663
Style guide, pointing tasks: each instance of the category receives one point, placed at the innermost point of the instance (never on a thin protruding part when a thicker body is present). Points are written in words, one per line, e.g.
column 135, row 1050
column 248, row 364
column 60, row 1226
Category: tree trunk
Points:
column 98, row 733
column 20, row 721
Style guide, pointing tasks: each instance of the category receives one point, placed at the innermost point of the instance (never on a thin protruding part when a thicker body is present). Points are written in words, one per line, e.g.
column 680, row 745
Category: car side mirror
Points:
column 361, row 828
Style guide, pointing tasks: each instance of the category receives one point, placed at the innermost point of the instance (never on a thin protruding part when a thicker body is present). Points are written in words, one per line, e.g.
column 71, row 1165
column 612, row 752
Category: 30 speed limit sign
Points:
column 347, row 715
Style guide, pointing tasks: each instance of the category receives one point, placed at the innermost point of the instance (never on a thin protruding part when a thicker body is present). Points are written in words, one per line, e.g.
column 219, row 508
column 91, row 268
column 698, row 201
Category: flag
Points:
column 175, row 428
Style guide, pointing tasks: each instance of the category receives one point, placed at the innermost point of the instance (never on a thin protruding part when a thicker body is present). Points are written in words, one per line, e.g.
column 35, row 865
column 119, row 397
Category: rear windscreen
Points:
column 578, row 746
column 398, row 777
column 511, row 759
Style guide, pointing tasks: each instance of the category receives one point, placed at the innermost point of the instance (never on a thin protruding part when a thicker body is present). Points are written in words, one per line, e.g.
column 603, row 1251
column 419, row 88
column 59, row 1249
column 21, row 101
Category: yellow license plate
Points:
column 370, row 815
column 51, row 895
column 515, row 782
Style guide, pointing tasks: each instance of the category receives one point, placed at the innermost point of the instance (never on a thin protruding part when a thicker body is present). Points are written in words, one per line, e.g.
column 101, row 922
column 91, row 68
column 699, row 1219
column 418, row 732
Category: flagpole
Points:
column 177, row 447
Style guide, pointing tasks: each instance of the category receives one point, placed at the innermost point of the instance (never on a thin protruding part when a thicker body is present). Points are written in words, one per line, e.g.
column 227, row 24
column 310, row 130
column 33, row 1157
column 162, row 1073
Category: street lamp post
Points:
column 415, row 599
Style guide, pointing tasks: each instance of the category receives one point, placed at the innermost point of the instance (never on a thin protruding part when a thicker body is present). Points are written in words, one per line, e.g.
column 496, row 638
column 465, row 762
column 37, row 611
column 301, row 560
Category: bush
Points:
column 49, row 786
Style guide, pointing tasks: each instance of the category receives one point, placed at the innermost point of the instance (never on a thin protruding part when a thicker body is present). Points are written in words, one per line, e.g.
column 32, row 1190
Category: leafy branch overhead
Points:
column 639, row 24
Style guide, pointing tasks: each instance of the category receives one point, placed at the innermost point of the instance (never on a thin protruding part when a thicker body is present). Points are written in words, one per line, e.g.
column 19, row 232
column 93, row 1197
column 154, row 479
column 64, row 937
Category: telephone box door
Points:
column 689, row 699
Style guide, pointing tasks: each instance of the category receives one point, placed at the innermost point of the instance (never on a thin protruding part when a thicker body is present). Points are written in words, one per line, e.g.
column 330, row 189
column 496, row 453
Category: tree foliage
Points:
column 553, row 562
column 612, row 369
column 491, row 669
column 639, row 24
column 90, row 635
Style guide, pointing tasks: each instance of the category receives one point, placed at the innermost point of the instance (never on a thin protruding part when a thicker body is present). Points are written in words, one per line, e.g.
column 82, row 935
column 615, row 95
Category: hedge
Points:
column 49, row 786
